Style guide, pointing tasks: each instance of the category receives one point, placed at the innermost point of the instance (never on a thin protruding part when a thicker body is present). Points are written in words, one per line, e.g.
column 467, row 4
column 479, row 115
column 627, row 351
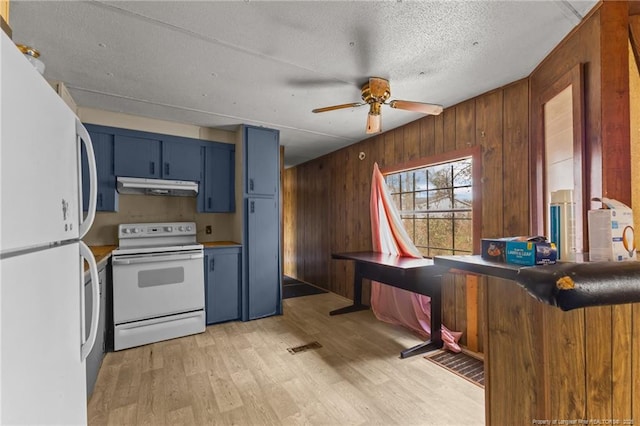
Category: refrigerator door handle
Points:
column 84, row 137
column 87, row 345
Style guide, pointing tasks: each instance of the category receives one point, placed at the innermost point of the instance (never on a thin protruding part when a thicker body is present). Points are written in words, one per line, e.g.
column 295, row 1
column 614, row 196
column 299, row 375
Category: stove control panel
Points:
column 146, row 230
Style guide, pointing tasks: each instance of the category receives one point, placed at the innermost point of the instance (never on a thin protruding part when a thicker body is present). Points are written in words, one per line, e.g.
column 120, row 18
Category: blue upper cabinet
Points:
column 146, row 155
column 131, row 153
column 262, row 160
column 218, row 191
column 107, row 199
column 181, row 160
column 137, row 157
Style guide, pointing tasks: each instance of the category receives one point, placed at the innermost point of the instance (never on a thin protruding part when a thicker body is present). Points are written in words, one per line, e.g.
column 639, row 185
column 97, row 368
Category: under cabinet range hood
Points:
column 141, row 186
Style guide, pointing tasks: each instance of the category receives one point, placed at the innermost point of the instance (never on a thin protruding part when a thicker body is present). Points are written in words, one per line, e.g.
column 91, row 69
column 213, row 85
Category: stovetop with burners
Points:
column 145, row 238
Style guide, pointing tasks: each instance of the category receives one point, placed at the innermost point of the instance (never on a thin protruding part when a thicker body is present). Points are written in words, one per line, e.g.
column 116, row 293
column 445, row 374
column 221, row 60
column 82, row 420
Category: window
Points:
column 436, row 206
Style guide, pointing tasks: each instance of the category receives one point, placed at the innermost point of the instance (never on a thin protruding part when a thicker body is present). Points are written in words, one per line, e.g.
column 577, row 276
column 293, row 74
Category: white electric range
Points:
column 158, row 283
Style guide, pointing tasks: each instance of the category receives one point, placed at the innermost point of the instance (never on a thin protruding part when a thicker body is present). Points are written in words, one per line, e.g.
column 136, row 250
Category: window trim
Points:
column 538, row 196
column 475, row 153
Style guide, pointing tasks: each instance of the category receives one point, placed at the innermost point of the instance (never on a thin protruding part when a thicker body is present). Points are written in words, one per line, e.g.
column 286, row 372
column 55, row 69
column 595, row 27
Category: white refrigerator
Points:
column 42, row 314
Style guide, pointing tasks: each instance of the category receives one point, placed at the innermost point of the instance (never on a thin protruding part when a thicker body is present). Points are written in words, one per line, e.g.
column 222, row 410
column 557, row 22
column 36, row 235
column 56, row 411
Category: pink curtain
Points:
column 391, row 304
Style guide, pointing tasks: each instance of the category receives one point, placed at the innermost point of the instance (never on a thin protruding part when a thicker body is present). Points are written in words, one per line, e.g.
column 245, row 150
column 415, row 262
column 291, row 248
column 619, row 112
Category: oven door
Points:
column 157, row 284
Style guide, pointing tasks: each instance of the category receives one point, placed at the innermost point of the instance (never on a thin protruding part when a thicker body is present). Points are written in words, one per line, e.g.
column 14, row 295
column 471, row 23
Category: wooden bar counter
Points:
column 544, row 365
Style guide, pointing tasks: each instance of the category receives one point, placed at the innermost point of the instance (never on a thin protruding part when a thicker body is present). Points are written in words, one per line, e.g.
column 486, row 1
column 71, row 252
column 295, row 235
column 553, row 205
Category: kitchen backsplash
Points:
column 146, row 208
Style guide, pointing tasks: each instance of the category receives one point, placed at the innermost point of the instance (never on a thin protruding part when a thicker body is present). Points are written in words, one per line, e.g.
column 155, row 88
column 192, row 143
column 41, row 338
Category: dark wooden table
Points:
column 417, row 275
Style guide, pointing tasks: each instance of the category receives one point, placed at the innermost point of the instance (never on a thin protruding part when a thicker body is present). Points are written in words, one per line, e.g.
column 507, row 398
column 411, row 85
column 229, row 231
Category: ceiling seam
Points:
column 569, row 11
column 207, row 39
column 242, row 119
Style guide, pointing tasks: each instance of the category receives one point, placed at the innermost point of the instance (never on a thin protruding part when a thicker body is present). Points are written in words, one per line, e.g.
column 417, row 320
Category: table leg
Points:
column 436, row 312
column 357, row 294
column 435, row 342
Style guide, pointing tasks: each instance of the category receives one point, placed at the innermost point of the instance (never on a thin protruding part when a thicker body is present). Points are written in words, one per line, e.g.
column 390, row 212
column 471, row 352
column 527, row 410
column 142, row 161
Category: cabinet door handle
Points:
column 100, row 199
column 152, row 167
column 252, row 207
column 212, row 264
column 209, row 202
column 166, row 168
column 250, row 184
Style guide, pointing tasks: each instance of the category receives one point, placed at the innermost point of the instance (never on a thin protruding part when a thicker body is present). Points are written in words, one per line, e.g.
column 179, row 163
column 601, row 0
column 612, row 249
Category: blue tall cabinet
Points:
column 262, row 283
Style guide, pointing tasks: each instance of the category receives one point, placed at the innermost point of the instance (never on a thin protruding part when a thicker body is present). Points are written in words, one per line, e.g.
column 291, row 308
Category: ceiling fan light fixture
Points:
column 374, row 119
column 375, row 93
column 33, row 56
column 374, row 124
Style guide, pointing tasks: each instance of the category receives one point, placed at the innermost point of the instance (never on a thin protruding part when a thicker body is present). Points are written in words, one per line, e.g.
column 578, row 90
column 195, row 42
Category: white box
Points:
column 611, row 232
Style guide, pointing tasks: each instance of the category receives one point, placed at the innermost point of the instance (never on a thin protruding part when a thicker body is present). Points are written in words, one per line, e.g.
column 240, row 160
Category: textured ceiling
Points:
column 219, row 64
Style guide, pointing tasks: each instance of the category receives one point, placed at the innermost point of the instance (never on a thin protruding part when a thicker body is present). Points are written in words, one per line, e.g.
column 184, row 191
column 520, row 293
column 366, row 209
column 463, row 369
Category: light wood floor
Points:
column 241, row 373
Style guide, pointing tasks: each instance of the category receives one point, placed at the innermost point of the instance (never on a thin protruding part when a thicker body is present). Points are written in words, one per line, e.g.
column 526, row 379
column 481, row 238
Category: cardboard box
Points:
column 611, row 235
column 531, row 253
column 519, row 250
column 494, row 249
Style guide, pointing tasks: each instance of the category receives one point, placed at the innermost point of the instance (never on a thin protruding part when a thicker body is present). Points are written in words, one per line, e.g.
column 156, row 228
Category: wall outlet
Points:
column 207, row 229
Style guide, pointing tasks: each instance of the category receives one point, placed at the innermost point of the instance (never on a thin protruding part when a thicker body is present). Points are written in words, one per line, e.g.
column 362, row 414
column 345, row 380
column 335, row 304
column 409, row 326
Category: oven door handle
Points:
column 156, row 258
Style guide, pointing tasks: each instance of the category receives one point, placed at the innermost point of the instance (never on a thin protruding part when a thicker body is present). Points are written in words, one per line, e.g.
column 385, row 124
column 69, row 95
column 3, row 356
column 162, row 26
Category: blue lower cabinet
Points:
column 263, row 267
column 222, row 272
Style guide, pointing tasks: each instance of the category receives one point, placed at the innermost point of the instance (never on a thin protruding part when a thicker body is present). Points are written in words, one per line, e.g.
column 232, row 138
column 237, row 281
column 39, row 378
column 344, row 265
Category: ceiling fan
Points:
column 375, row 93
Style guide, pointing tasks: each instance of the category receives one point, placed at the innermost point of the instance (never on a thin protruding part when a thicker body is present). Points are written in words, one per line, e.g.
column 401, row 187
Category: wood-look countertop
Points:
column 101, row 253
column 221, row 244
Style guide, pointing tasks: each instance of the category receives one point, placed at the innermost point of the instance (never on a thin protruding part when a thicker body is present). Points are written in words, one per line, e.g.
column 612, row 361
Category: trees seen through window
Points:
column 435, row 203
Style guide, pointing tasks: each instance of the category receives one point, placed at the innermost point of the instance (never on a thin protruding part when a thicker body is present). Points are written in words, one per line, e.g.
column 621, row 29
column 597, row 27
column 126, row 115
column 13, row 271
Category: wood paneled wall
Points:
column 541, row 363
column 4, row 10
column 4, row 17
column 582, row 365
column 326, row 201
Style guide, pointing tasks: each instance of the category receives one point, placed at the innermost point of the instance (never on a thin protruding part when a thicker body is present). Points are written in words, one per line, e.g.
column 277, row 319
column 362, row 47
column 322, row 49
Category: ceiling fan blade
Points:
column 422, row 107
column 341, row 106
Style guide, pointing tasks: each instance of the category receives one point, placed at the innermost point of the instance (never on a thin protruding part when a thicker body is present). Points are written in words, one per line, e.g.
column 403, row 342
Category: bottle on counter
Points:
column 562, row 224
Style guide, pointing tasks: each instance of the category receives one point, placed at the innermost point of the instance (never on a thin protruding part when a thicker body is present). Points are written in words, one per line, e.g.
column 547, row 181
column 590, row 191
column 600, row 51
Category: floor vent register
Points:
column 303, row 348
column 461, row 364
